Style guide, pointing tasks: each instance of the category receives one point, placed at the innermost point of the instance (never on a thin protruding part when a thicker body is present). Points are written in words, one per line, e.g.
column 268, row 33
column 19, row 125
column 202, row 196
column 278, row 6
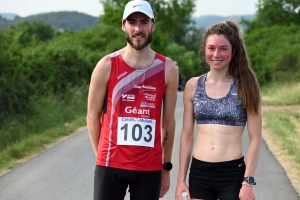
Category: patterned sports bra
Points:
column 228, row 110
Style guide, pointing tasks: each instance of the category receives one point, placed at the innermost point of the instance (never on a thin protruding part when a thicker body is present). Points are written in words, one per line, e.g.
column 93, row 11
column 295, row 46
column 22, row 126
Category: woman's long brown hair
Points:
column 239, row 66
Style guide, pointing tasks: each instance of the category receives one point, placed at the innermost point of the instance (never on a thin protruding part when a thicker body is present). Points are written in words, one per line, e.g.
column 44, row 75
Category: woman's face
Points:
column 218, row 52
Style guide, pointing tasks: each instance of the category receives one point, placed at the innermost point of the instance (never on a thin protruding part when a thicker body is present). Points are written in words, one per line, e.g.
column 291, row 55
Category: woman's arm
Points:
column 187, row 137
column 254, row 127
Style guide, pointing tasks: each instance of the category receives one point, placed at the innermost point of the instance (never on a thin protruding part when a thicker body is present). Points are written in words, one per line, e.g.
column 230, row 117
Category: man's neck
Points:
column 138, row 59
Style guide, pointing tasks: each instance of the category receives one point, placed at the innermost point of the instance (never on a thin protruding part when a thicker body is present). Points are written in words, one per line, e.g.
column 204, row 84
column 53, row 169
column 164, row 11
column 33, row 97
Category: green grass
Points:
column 284, row 131
column 281, row 94
column 282, row 123
column 52, row 118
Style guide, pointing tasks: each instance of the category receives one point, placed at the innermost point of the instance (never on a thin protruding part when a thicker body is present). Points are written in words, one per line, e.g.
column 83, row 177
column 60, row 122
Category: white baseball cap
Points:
column 138, row 6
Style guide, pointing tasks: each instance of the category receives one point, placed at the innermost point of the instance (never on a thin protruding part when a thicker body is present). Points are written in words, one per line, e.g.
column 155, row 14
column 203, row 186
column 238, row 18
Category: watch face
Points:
column 167, row 166
column 251, row 179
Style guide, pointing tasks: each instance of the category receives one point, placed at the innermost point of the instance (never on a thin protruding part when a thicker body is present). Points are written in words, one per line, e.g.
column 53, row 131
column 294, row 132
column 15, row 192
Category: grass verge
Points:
column 281, row 94
column 281, row 130
column 282, row 134
column 284, row 131
column 52, row 118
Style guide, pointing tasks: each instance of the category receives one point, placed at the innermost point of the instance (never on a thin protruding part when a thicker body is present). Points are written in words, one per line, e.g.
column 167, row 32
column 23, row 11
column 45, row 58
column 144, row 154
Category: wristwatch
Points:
column 167, row 166
column 250, row 180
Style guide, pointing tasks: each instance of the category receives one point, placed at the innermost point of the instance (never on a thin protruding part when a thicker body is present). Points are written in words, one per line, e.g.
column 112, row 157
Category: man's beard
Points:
column 139, row 46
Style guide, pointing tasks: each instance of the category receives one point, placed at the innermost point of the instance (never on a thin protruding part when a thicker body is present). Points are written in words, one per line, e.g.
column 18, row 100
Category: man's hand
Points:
column 165, row 183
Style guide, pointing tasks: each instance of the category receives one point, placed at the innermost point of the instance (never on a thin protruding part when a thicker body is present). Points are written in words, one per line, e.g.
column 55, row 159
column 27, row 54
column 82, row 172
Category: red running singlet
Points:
column 131, row 124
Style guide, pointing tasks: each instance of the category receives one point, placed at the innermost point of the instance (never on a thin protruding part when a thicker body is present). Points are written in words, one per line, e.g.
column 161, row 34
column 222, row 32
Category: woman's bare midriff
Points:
column 218, row 143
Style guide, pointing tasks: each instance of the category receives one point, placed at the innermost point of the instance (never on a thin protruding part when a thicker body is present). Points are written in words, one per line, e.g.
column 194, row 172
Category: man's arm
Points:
column 169, row 104
column 96, row 96
column 168, row 121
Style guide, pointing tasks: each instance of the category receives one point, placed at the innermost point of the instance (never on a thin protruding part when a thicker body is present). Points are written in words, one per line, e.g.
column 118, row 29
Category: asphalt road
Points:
column 65, row 172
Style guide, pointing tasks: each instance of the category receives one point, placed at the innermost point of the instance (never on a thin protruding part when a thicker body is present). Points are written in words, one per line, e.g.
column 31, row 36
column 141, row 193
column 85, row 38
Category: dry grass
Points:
column 290, row 162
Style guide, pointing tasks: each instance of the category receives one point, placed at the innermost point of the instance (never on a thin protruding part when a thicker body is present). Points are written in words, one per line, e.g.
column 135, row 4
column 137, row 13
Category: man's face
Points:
column 138, row 30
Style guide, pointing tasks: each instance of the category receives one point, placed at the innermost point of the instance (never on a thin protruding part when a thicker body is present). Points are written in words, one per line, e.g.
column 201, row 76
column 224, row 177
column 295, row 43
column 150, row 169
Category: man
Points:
column 130, row 118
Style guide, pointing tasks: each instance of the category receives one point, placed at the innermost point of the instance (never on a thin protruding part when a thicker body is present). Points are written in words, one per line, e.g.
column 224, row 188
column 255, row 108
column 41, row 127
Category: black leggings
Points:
column 111, row 184
column 212, row 181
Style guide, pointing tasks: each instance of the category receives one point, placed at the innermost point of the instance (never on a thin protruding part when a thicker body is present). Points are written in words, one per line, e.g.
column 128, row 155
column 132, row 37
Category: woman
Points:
column 221, row 102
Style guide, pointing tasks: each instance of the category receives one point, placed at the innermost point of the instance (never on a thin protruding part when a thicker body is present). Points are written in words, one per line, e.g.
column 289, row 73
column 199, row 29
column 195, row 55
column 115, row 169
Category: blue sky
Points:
column 25, row 8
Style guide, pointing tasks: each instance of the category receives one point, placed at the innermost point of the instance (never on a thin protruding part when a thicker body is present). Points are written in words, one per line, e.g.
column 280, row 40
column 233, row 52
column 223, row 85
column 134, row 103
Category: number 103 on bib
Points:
column 136, row 131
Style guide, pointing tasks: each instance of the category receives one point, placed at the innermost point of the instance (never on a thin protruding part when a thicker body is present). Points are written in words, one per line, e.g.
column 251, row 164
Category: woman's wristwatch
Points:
column 250, row 180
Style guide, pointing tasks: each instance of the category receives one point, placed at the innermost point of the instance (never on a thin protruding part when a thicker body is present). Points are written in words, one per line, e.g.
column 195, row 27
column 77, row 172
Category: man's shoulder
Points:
column 170, row 64
column 104, row 63
column 111, row 55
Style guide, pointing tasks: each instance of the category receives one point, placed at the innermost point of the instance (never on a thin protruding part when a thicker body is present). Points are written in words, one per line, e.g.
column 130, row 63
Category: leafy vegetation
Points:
column 272, row 40
column 39, row 63
column 275, row 13
column 54, row 117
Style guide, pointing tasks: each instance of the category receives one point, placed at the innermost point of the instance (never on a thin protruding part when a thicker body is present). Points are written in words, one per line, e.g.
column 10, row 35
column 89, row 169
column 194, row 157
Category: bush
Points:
column 273, row 51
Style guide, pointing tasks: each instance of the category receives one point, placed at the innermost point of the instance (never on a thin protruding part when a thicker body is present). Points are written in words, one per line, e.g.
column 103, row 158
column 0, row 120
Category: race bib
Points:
column 136, row 131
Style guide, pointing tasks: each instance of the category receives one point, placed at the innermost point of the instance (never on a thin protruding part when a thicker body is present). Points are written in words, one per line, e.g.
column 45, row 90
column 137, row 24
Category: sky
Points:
column 24, row 8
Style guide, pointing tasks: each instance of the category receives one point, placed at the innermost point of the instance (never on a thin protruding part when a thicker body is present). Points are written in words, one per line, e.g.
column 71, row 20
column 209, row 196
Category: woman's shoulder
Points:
column 195, row 80
column 191, row 84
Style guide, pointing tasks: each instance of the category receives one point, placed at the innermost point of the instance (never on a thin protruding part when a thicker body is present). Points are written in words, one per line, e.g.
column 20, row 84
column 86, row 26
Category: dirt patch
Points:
column 287, row 162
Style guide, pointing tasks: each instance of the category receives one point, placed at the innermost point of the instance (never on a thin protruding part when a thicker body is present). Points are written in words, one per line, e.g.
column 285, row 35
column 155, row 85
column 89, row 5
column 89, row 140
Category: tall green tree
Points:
column 25, row 32
column 275, row 12
column 272, row 40
column 274, row 52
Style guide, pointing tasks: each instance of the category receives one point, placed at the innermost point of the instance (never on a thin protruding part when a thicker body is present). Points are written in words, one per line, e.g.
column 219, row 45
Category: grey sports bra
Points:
column 228, row 110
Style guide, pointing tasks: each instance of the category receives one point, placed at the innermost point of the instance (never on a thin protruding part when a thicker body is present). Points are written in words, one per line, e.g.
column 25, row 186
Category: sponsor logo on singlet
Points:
column 147, row 87
column 133, row 119
column 150, row 97
column 122, row 75
column 148, row 105
column 128, row 97
column 140, row 111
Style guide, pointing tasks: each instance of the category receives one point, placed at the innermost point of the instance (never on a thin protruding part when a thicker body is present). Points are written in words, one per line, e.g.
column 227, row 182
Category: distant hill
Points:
column 58, row 20
column 77, row 21
column 8, row 16
column 208, row 20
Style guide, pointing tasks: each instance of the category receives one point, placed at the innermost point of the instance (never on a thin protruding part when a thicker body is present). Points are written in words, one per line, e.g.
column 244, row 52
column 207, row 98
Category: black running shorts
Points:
column 111, row 184
column 212, row 181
